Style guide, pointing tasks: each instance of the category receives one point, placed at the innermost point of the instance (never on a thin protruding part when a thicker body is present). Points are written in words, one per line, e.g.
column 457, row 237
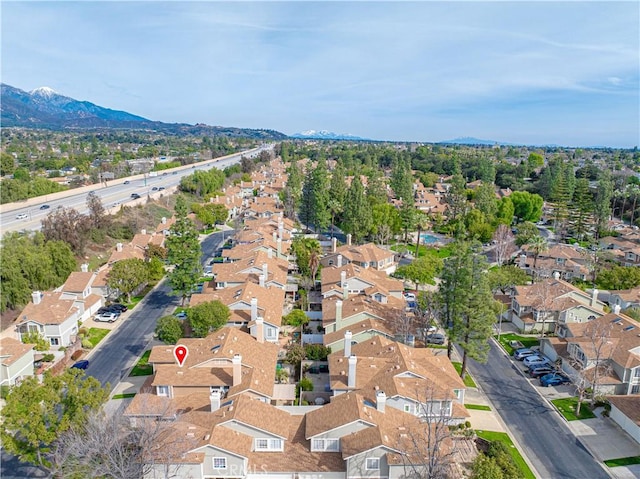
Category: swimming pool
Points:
column 426, row 238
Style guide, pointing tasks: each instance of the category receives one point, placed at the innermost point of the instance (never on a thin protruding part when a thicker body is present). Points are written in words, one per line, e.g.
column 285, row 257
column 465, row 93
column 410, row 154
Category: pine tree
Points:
column 357, row 212
column 183, row 252
column 402, row 180
column 602, row 203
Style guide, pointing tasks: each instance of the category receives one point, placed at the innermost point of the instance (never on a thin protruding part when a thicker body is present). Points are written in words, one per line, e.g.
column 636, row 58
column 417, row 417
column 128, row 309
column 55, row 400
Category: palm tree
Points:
column 538, row 245
column 421, row 222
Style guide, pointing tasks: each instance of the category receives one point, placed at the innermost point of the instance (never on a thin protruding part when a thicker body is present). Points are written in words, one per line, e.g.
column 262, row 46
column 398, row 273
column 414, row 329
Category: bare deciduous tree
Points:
column 67, row 224
column 402, row 324
column 505, row 245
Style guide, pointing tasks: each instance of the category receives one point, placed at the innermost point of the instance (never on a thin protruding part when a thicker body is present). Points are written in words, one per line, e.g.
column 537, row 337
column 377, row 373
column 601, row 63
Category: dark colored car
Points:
column 155, row 188
column 554, row 379
column 45, row 207
column 118, row 308
column 135, row 196
column 126, row 182
column 83, row 364
column 105, row 310
column 161, row 188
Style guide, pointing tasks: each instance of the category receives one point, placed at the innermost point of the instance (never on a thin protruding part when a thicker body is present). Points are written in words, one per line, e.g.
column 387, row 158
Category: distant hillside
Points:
column 326, row 135
column 47, row 109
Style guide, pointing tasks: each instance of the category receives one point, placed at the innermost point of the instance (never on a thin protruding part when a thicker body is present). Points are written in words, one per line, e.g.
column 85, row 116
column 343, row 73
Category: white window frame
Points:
column 55, row 341
column 271, row 333
column 372, row 464
column 221, row 459
column 407, row 408
column 162, row 391
column 325, row 445
column 269, row 444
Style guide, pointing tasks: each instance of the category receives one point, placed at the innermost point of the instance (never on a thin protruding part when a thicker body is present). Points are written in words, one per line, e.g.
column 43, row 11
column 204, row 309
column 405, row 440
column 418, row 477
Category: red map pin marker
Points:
column 180, row 353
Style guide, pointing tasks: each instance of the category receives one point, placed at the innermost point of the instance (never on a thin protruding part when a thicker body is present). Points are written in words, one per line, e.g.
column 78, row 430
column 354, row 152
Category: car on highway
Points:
column 45, row 207
column 554, row 379
column 435, row 338
column 535, row 359
column 106, row 317
column 522, row 353
column 160, row 188
column 164, row 174
column 174, row 173
column 155, row 188
column 540, row 370
column 82, row 364
column 22, row 216
column 126, row 182
column 135, row 196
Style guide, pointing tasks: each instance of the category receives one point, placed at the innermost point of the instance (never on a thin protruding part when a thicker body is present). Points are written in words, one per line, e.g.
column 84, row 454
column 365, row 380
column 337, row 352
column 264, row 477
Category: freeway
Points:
column 115, row 193
column 544, row 437
column 121, row 348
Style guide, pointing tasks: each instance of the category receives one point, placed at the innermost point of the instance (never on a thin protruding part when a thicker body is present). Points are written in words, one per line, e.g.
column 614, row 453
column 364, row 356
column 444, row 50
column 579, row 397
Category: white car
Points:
column 409, row 296
column 535, row 360
column 106, row 317
column 21, row 216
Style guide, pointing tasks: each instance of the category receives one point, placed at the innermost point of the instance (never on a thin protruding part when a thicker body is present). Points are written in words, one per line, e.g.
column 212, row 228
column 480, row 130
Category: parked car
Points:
column 45, row 207
column 117, row 307
column 409, row 296
column 106, row 317
column 522, row 353
column 534, row 359
column 21, row 216
column 540, row 370
column 553, row 379
column 181, row 315
column 82, row 364
column 105, row 310
column 435, row 338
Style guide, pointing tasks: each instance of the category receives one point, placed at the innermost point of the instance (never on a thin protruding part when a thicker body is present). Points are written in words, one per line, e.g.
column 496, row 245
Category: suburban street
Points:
column 538, row 428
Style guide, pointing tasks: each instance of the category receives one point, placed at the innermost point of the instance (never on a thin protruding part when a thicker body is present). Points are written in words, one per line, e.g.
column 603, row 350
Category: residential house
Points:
column 340, row 314
column 625, row 411
column 415, row 381
column 366, row 256
column 353, row 279
column 258, row 267
column 79, row 288
column 53, row 318
column 625, row 298
column 16, row 361
column 608, row 345
column 564, row 260
column 550, row 304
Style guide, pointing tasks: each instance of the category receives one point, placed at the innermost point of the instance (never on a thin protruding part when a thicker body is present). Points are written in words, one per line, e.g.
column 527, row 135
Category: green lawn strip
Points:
column 437, row 346
column 623, row 461
column 142, row 368
column 123, row 396
column 515, row 454
column 526, row 341
column 468, row 380
column 478, row 407
column 567, row 407
column 96, row 335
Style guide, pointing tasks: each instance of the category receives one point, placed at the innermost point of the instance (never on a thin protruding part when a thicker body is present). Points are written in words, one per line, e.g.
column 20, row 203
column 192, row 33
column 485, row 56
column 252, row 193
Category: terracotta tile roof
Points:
column 628, row 295
column 250, row 268
column 50, row 310
column 78, row 281
column 360, row 305
column 331, row 277
column 101, row 278
column 11, row 350
column 544, row 294
column 128, row 251
column 628, row 405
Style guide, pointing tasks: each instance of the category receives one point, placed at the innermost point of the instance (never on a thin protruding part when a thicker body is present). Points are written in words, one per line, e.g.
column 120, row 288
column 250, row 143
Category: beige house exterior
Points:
column 16, row 361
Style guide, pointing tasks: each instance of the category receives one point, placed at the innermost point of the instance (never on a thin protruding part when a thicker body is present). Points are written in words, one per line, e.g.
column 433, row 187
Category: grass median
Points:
column 468, row 380
column 623, row 461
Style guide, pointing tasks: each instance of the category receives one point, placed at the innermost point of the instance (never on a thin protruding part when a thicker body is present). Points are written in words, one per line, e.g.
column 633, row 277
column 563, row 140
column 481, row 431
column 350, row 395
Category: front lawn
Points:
column 567, row 407
column 123, row 396
column 96, row 335
column 515, row 454
column 527, row 342
column 623, row 461
column 142, row 368
column 478, row 407
column 468, row 380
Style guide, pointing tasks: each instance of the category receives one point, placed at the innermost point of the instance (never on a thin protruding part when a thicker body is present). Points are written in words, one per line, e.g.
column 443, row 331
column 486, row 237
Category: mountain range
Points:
column 45, row 108
column 326, row 135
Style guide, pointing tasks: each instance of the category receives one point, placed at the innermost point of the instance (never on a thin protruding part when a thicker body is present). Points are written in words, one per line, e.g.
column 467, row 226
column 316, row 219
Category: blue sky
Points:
column 526, row 72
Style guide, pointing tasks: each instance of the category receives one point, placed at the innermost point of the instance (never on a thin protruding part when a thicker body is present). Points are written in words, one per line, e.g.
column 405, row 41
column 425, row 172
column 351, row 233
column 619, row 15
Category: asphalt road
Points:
column 113, row 194
column 541, row 432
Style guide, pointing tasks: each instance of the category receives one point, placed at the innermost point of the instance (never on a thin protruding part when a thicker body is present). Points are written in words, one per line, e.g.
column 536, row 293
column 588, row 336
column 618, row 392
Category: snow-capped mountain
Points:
column 326, row 135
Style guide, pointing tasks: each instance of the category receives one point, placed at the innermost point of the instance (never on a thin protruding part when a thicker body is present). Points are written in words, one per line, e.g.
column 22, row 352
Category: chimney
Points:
column 143, row 231
column 523, row 261
column 556, row 275
column 265, row 270
column 334, row 244
column 280, row 230
column 339, row 261
column 616, row 309
column 260, row 329
column 164, row 220
column 118, row 246
column 270, row 253
column 344, row 285
column 594, row 297
column 381, row 400
column 261, row 280
column 275, row 236
column 215, row 400
column 36, row 297
column 347, row 343
column 84, row 267
column 338, row 314
column 254, row 309
column 351, row 379
column 237, row 369
column 349, row 239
